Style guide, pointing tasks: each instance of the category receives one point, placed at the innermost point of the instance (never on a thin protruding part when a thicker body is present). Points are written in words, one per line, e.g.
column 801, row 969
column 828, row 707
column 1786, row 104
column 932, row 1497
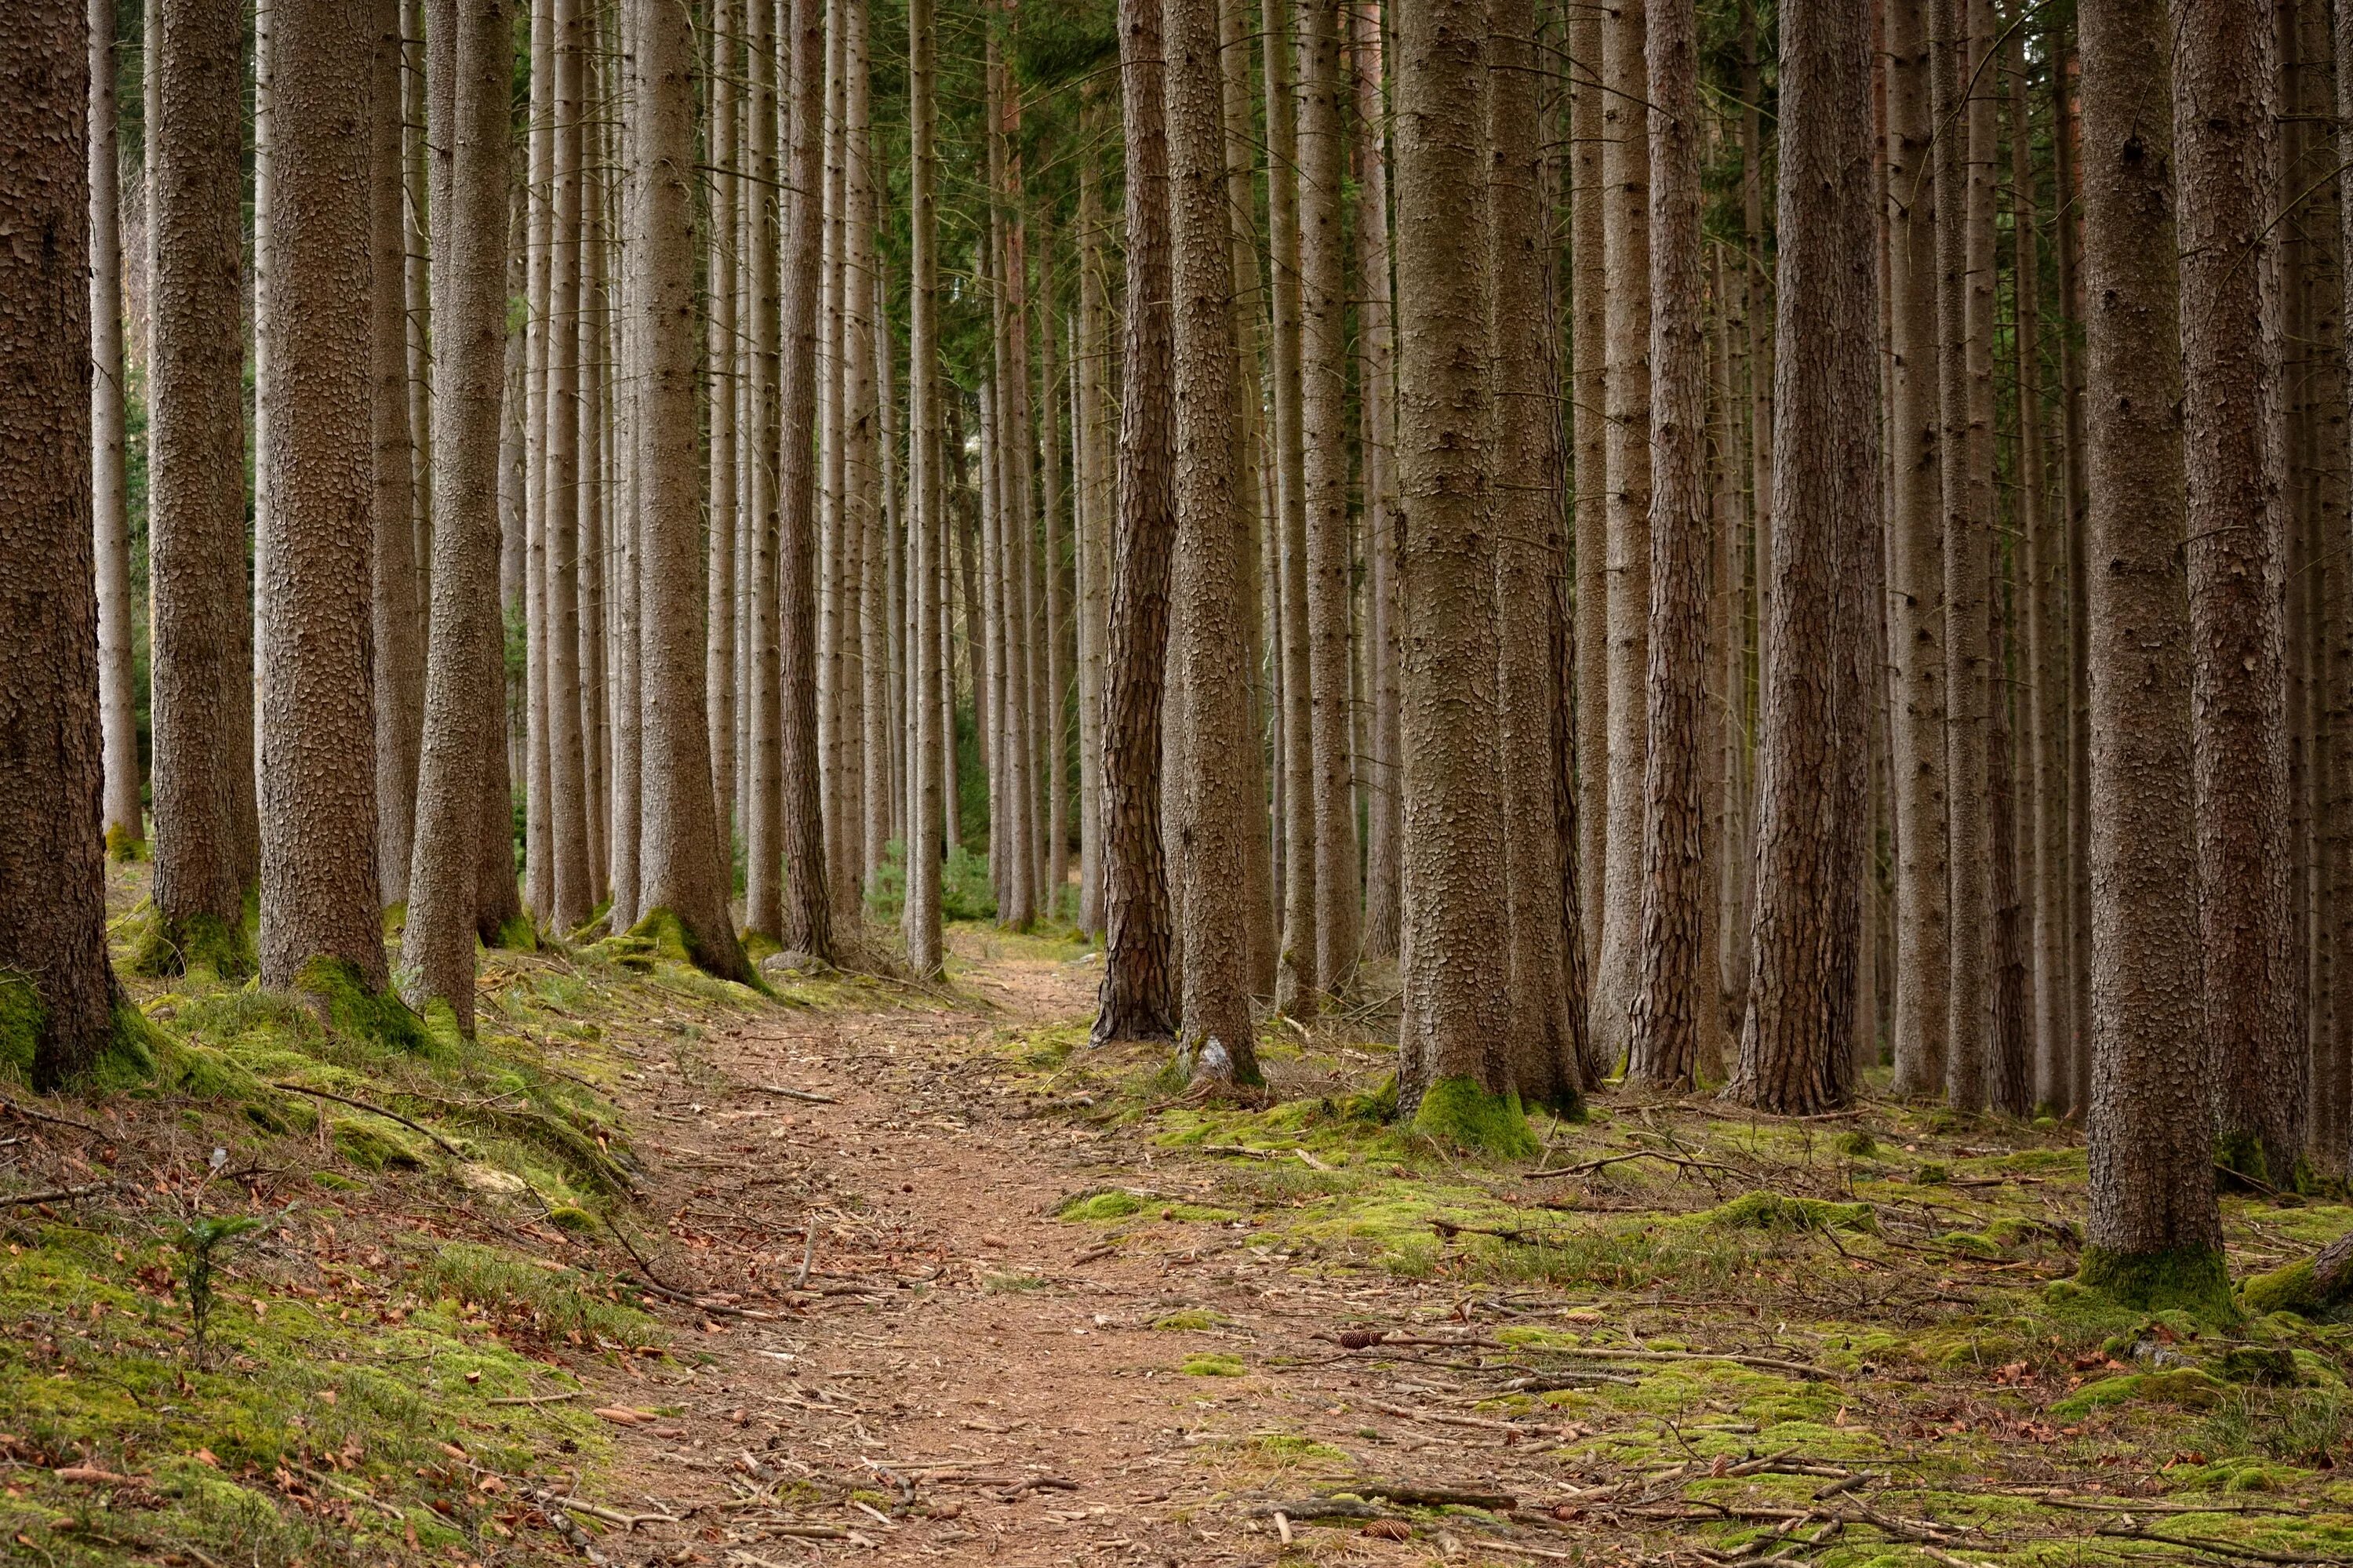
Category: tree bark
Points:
column 1095, row 504
column 2153, row 1228
column 1213, row 814
column 1626, row 249
column 124, row 822
column 572, row 892
column 196, row 491
column 724, row 370
column 457, row 784
column 396, row 600
column 928, row 792
column 1588, row 400
column 52, row 851
column 538, row 771
column 1377, row 384
column 762, row 630
column 1137, row 999
column 1797, row 1054
column 680, row 861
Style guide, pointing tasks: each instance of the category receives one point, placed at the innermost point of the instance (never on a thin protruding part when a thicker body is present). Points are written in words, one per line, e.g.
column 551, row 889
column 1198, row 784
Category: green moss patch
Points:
column 1460, row 1112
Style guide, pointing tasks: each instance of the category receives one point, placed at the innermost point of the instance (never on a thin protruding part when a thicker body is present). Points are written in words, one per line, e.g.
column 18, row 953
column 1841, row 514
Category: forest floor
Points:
column 660, row 1271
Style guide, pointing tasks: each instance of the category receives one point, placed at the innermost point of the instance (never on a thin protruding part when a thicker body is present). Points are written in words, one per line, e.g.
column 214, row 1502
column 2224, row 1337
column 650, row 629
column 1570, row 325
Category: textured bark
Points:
column 1797, row 1054
column 1323, row 494
column 318, row 889
column 1675, row 998
column 1626, row 251
column 1543, row 1048
column 807, row 914
column 762, row 628
column 196, row 479
column 1588, row 402
column 926, row 737
column 868, row 523
column 679, row 860
column 538, row 772
column 2042, row 529
column 462, row 774
column 2151, row 1130
column 1053, row 709
column 1377, row 394
column 571, row 892
column 124, row 824
column 1298, row 986
column 2074, row 490
column 1915, row 568
column 2225, row 84
column 1138, row 999
column 1454, row 972
column 723, row 368
column 596, row 490
column 1095, row 504
column 396, row 599
column 52, row 851
column 1213, row 814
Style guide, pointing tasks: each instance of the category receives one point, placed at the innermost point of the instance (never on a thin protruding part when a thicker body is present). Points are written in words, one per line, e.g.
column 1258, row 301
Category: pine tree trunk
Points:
column 2009, row 1075
column 1589, row 399
column 1377, row 392
column 52, row 853
column 680, row 869
column 1095, row 506
column 869, row 525
column 125, row 825
column 465, row 677
column 196, row 491
column 1454, row 1017
column 1323, row 416
column 596, row 490
column 1543, row 1050
column 929, row 792
column 1053, row 769
column 762, row 630
column 2153, row 1228
column 1626, row 249
column 808, row 912
column 1797, row 1054
column 2225, row 85
column 319, row 885
column 1138, row 999
column 1206, row 600
column 397, row 630
column 724, row 370
column 538, row 775
column 572, row 892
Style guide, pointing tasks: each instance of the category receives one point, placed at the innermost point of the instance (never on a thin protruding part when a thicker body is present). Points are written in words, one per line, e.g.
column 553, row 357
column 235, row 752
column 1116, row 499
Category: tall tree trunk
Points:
column 52, row 853
column 929, row 792
column 473, row 56
column 1543, row 1051
column 1377, row 392
column 1451, row 1029
column 1323, row 418
column 396, row 600
column 869, row 525
column 538, row 777
column 2009, row 1078
column 125, row 825
column 2225, row 84
column 196, row 492
column 679, row 860
column 1915, row 565
column 1588, row 400
column 2075, row 492
column 1138, row 999
column 762, row 630
column 1053, row 768
column 1206, row 601
column 596, row 490
column 1095, row 506
column 1626, row 249
column 724, row 371
column 319, row 887
column 2154, row 1231
column 1676, row 1000
column 571, row 894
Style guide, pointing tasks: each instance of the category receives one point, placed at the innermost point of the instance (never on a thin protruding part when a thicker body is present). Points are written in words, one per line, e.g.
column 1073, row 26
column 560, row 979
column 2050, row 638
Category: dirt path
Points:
column 989, row 1374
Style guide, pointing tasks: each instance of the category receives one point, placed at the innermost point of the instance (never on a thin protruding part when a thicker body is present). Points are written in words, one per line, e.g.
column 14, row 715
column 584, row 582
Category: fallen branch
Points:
column 58, row 1195
column 534, row 1398
column 1425, row 1497
column 802, row 1095
column 29, row 1114
column 353, row 1493
column 1037, row 1484
column 1443, row 1419
column 1585, row 1166
column 2217, row 1548
column 448, row 1148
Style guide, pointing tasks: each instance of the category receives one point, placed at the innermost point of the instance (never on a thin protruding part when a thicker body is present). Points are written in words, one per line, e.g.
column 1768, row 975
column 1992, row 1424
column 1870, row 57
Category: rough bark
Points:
column 196, row 489
column 1588, row 402
column 396, row 598
column 1204, row 599
column 1796, row 1055
column 680, row 861
column 1626, row 249
column 537, row 772
column 926, row 741
column 761, row 631
column 463, row 754
column 571, row 894
column 1137, row 999
column 2153, row 1228
column 1377, row 393
column 52, row 851
column 724, row 370
column 1095, row 503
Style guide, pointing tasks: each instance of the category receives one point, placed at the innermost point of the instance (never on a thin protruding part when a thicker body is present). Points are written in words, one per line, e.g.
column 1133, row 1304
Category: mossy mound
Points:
column 125, row 845
column 1773, row 1212
column 1212, row 1364
column 202, row 944
column 2190, row 1388
column 349, row 1005
column 2191, row 1278
column 127, row 1060
column 1459, row 1111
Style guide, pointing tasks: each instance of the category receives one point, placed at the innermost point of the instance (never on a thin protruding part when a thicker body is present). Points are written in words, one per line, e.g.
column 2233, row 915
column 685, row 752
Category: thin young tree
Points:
column 320, row 897
column 1451, row 1069
column 928, row 736
column 760, row 631
column 125, row 824
column 680, row 863
column 52, row 850
column 572, row 892
column 1376, row 383
column 2225, row 85
column 1588, row 395
column 1138, row 999
column 472, row 60
column 202, row 779
column 1797, row 1054
column 2154, row 1229
column 397, row 603
column 721, row 355
column 1206, row 600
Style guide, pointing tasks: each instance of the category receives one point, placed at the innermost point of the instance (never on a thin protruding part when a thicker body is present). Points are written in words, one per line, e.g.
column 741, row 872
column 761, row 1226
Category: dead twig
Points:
column 447, row 1147
column 58, row 1195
